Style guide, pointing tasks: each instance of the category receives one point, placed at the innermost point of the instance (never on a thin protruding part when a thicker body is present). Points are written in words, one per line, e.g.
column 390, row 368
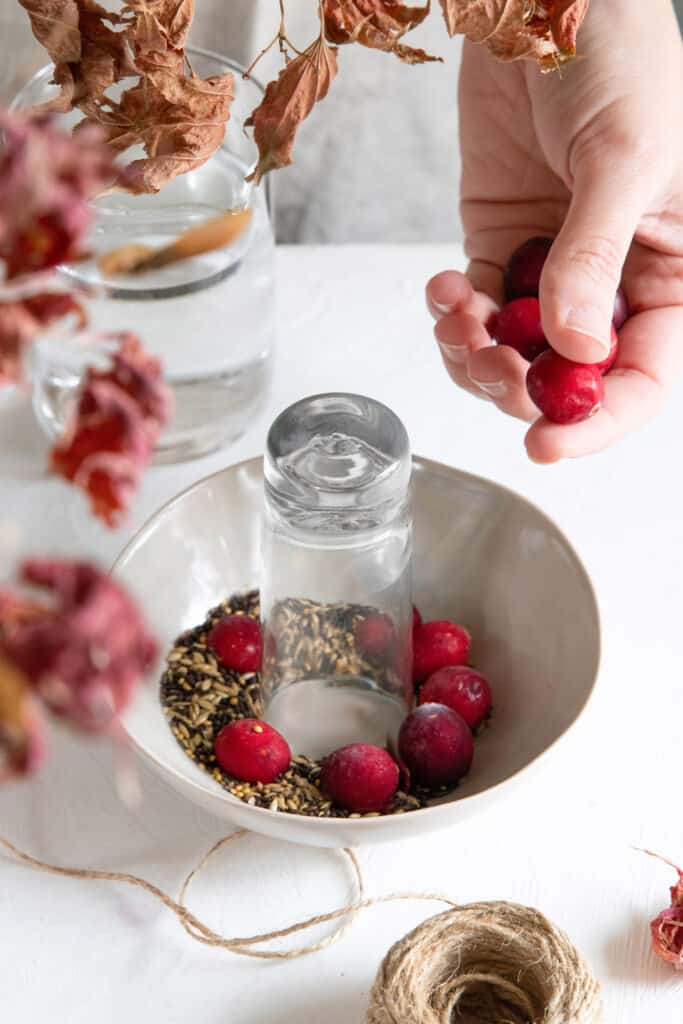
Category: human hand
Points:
column 592, row 154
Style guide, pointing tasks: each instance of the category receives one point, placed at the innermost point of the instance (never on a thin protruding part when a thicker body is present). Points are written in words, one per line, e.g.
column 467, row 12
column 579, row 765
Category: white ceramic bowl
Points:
column 483, row 556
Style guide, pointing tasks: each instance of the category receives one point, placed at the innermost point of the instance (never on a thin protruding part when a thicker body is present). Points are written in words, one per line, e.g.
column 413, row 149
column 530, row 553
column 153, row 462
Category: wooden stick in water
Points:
column 212, row 234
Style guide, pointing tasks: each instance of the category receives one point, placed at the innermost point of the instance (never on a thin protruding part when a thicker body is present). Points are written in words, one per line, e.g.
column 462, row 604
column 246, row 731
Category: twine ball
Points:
column 485, row 963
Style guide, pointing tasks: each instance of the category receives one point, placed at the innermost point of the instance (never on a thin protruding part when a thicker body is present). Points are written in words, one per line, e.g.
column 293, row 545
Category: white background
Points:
column 77, row 952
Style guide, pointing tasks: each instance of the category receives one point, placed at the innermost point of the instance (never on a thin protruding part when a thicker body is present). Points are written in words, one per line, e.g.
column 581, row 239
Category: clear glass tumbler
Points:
column 211, row 319
column 335, row 586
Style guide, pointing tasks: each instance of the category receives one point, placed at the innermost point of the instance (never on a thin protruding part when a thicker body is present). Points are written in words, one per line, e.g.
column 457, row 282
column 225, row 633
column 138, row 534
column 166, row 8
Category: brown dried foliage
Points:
column 180, row 119
column 377, row 24
column 541, row 30
column 176, row 116
column 303, row 82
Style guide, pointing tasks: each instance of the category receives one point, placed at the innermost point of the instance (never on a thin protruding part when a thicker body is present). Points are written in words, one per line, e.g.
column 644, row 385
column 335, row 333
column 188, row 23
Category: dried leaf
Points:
column 667, row 928
column 55, row 26
column 377, row 24
column 543, row 30
column 21, row 322
column 47, row 307
column 179, row 121
column 206, row 237
column 88, row 650
column 22, row 727
column 287, row 102
column 17, row 331
column 47, row 179
column 115, row 427
column 178, row 118
column 161, row 23
column 566, row 18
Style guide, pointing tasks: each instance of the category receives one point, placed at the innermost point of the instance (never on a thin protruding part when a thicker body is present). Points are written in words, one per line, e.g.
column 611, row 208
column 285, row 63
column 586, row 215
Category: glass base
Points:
column 317, row 716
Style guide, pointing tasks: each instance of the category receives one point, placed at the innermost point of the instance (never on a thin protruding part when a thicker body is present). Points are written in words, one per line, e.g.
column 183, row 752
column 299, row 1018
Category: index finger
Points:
column 452, row 292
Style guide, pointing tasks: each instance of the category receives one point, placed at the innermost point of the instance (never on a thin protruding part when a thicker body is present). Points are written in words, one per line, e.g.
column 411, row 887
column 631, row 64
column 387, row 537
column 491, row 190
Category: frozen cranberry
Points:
column 461, row 689
column 435, row 744
column 375, row 635
column 236, row 639
column 565, row 392
column 252, row 751
column 436, row 644
column 606, row 364
column 519, row 326
column 360, row 777
column 621, row 311
column 523, row 272
column 417, row 618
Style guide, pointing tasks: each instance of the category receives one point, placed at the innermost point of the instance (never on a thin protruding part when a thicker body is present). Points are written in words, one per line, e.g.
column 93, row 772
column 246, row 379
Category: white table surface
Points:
column 77, row 952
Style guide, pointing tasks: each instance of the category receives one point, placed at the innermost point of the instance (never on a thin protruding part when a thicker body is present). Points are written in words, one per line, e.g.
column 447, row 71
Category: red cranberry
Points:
column 436, row 644
column 360, row 777
column 621, row 311
column 417, row 618
column 523, row 272
column 565, row 392
column 519, row 326
column 435, row 743
column 375, row 635
column 606, row 364
column 252, row 751
column 461, row 689
column 236, row 639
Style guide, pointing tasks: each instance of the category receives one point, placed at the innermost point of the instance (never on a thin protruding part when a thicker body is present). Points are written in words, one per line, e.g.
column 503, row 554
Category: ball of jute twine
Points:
column 485, row 963
column 478, row 963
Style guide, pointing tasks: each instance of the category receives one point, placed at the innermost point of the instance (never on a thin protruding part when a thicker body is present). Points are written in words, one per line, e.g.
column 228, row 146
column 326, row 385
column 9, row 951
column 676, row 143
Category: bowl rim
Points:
column 380, row 822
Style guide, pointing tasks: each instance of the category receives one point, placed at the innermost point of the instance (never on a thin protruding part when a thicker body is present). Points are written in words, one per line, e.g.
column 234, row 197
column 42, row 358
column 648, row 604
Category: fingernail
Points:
column 443, row 307
column 494, row 388
column 455, row 353
column 583, row 321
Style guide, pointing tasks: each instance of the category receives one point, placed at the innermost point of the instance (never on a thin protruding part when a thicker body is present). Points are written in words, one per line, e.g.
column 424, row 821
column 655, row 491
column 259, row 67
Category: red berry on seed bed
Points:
column 436, row 644
column 252, row 751
column 360, row 777
column 435, row 744
column 606, row 364
column 375, row 635
column 621, row 311
column 565, row 392
column 523, row 273
column 518, row 325
column 461, row 689
column 236, row 640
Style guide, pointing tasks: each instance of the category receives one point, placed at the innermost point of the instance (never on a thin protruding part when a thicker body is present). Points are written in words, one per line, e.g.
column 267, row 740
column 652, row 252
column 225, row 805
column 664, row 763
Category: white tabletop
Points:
column 77, row 952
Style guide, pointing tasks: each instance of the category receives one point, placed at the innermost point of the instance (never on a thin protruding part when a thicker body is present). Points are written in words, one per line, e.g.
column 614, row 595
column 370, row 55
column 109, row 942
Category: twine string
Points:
column 477, row 962
column 481, row 963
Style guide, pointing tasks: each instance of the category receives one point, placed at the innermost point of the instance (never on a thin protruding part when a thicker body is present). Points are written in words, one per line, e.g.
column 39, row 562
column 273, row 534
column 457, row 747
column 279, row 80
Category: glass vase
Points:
column 210, row 319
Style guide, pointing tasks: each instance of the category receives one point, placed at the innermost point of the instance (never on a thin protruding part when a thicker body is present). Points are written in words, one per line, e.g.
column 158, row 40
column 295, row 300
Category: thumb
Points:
column 583, row 270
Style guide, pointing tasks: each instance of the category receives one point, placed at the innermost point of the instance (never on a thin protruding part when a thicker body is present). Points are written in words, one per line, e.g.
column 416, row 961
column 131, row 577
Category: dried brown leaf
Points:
column 85, row 655
column 177, row 117
column 377, row 24
column 519, row 29
column 160, row 23
column 288, row 101
column 114, row 428
column 55, row 26
column 179, row 121
column 566, row 18
column 22, row 740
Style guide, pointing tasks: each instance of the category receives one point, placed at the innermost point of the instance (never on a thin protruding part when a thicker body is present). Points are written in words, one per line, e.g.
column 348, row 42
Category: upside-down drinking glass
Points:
column 335, row 586
column 210, row 319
